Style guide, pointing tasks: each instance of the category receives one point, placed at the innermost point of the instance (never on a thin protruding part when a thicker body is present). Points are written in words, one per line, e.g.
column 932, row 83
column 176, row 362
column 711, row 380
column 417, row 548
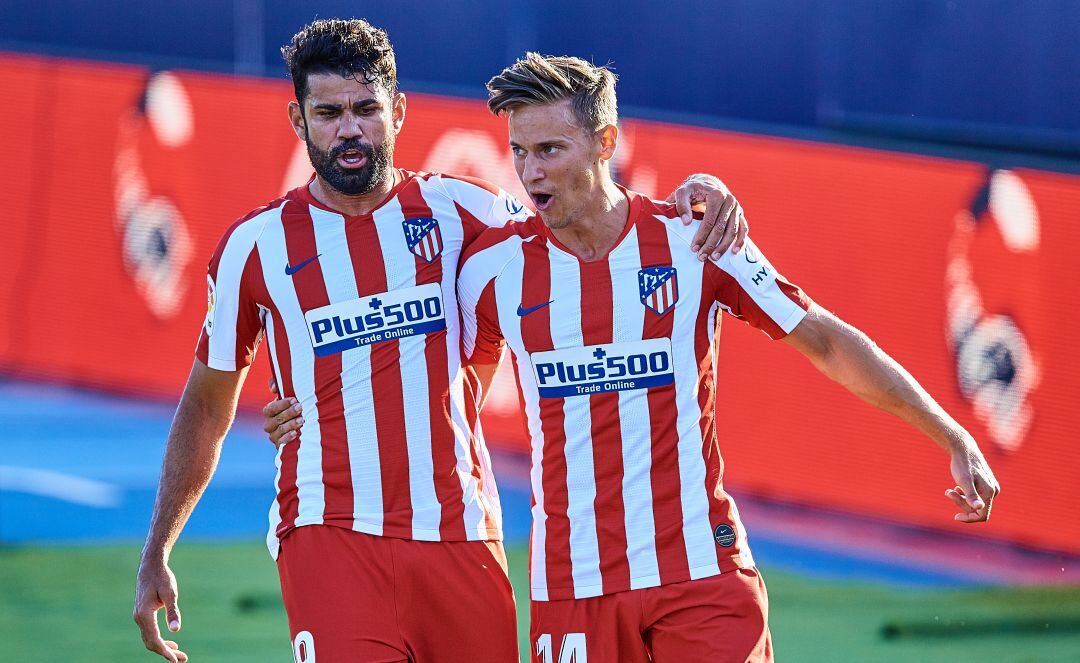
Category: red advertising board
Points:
column 120, row 183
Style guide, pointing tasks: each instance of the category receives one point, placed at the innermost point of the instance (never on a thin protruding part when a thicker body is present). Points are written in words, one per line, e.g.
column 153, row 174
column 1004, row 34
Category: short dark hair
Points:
column 536, row 80
column 350, row 48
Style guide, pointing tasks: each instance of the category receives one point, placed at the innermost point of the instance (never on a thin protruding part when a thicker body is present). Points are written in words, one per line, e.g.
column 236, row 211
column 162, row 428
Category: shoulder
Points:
column 246, row 229
column 457, row 187
column 660, row 215
column 495, row 248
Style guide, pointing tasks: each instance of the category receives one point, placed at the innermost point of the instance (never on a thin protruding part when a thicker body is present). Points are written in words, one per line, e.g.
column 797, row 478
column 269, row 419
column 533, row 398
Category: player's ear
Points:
column 399, row 110
column 296, row 119
column 609, row 141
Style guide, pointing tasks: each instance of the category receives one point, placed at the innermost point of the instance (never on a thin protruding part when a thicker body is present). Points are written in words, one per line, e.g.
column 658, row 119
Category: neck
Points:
column 595, row 228
column 352, row 205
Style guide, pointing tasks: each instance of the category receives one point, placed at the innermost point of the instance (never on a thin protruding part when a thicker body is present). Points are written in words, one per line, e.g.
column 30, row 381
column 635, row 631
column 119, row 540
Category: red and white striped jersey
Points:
column 360, row 315
column 615, row 362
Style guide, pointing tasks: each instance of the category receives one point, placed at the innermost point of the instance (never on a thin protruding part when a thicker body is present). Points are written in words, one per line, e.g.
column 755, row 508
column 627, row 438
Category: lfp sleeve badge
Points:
column 376, row 318
column 596, row 369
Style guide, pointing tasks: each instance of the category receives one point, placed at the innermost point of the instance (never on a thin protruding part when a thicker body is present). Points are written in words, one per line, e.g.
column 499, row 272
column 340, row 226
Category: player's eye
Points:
column 518, row 151
column 550, row 149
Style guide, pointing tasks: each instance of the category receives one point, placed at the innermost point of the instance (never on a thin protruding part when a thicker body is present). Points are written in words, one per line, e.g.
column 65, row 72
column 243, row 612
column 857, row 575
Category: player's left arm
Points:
column 851, row 358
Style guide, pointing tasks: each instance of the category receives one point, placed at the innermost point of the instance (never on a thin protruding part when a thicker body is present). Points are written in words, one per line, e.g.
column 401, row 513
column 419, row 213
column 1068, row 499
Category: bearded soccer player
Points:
column 637, row 551
column 386, row 522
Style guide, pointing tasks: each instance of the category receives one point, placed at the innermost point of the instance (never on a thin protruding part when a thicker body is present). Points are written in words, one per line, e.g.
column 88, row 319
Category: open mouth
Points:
column 352, row 159
column 542, row 200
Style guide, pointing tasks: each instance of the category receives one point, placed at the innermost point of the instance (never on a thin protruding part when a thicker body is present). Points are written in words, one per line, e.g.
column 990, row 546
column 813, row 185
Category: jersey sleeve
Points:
column 481, row 335
column 483, row 205
column 747, row 286
column 233, row 326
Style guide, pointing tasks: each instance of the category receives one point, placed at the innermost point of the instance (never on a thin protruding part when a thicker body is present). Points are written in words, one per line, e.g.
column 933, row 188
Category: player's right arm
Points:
column 750, row 288
column 230, row 334
column 203, row 417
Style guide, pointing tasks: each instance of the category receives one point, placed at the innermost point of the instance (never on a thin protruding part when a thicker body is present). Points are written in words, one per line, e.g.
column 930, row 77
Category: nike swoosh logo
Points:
column 289, row 271
column 526, row 311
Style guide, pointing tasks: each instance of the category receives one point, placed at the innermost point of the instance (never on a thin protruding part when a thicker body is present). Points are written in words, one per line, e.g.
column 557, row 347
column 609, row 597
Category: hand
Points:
column 723, row 224
column 976, row 485
column 156, row 589
column 282, row 420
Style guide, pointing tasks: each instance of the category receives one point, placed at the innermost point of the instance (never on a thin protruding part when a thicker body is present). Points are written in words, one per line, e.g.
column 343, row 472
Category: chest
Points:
column 353, row 282
column 566, row 303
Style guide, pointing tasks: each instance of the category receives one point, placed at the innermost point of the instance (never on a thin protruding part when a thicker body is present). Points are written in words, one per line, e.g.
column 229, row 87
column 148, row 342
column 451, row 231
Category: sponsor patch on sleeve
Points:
column 211, row 302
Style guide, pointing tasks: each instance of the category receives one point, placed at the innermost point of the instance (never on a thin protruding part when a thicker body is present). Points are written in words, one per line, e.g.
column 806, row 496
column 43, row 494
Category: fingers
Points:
column 287, row 431
column 146, row 619
column 744, row 228
column 278, row 412
column 970, row 493
column 731, row 227
column 172, row 613
column 683, row 203
column 722, row 206
column 181, row 656
column 968, row 512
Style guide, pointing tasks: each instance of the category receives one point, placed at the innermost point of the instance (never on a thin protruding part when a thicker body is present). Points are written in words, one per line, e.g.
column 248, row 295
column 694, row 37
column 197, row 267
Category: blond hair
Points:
column 536, row 80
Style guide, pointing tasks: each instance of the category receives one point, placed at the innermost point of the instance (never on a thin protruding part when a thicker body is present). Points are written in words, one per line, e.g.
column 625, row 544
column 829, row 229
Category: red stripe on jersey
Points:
column 719, row 502
column 447, row 484
column 471, row 226
column 281, row 367
column 536, row 337
column 248, row 318
column 596, row 327
column 311, row 293
column 663, row 418
column 365, row 251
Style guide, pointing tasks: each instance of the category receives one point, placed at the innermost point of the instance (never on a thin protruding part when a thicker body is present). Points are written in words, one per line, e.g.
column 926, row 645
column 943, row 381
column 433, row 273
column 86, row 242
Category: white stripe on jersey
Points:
column 577, row 423
column 222, row 342
column 633, row 419
column 309, row 484
column 272, row 542
column 697, row 531
column 474, row 503
column 359, row 409
column 400, row 266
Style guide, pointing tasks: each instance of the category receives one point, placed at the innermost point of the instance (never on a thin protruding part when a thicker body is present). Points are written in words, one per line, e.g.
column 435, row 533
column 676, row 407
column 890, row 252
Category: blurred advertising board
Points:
column 120, row 182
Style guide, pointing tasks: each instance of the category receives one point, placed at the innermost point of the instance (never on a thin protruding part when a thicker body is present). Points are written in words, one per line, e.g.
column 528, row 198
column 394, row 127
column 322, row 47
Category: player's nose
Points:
column 531, row 171
column 349, row 126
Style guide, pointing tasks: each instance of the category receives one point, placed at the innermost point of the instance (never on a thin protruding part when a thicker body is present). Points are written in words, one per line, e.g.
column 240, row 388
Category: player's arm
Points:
column 203, row 417
column 852, row 359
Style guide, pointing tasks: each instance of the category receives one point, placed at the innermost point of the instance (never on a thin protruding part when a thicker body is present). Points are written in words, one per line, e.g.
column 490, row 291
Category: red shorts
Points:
column 354, row 597
column 720, row 619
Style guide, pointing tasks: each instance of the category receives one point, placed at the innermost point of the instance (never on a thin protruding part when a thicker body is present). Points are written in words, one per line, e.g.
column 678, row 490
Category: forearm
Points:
column 191, row 455
column 852, row 359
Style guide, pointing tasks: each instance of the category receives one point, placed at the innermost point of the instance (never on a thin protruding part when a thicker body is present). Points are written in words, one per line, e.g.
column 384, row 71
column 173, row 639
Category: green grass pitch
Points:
column 63, row 604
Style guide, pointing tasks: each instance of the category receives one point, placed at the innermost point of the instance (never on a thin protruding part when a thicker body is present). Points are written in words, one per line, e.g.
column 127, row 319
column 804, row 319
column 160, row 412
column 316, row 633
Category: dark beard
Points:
column 353, row 182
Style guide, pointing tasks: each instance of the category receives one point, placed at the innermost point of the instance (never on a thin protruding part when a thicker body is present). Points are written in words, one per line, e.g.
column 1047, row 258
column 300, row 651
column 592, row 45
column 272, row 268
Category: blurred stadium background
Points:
column 914, row 165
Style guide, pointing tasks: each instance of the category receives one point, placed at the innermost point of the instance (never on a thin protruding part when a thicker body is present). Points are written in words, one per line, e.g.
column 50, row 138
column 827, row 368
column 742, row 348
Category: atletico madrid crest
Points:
column 423, row 237
column 659, row 288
